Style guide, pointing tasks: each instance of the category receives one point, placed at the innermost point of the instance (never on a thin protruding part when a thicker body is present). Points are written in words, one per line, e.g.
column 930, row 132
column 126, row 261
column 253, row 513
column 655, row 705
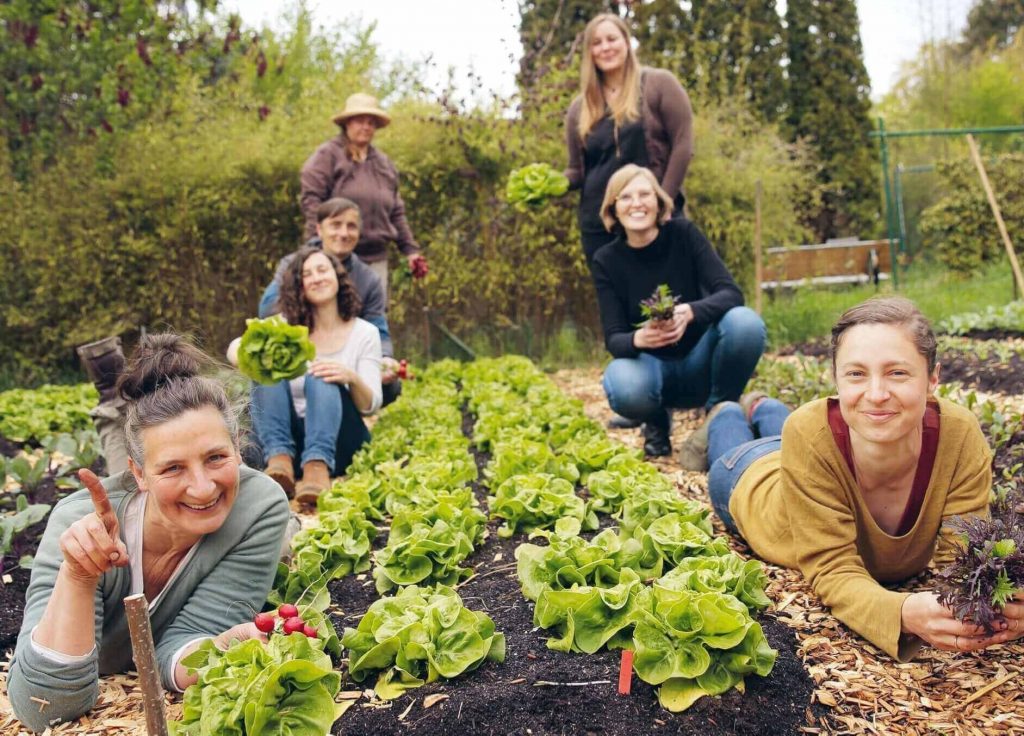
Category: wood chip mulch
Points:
column 865, row 691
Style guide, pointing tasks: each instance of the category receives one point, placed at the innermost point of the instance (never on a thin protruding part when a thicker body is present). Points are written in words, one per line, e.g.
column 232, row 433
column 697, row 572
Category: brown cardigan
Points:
column 801, row 508
column 372, row 184
column 668, row 130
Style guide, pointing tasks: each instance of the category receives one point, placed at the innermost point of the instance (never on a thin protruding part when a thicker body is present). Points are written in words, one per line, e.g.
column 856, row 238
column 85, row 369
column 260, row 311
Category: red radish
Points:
column 264, row 622
column 309, row 631
column 293, row 624
column 287, row 611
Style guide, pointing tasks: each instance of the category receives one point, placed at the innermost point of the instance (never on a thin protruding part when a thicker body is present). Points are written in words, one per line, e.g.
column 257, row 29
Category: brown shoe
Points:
column 281, row 469
column 315, row 480
column 749, row 402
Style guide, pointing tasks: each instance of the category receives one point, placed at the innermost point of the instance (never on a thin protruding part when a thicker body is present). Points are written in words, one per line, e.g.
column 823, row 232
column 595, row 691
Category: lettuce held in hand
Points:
column 273, row 350
column 531, row 185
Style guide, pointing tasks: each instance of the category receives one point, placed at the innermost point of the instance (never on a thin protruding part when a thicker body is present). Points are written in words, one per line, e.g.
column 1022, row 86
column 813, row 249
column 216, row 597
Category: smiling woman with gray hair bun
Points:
column 350, row 166
column 187, row 525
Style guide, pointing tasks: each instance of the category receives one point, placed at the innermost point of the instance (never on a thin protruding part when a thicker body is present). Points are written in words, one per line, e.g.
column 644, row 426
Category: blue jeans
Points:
column 332, row 430
column 734, row 444
column 716, row 370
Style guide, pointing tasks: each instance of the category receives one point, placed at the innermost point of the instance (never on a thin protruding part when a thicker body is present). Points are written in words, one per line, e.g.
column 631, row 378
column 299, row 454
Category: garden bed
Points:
column 826, row 679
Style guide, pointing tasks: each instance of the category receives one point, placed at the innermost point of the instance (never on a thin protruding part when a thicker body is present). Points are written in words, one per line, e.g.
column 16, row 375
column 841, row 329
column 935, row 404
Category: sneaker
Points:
column 658, row 436
column 620, row 422
column 693, row 454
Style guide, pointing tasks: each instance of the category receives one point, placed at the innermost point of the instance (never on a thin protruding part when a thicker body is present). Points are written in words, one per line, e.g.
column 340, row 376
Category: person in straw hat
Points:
column 350, row 166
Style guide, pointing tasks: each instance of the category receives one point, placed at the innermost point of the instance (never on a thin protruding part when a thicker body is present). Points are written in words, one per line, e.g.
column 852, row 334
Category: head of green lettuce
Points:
column 273, row 350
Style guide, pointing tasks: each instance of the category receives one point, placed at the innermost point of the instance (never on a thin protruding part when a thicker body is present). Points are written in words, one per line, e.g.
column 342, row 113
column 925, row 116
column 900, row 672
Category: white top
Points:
column 362, row 353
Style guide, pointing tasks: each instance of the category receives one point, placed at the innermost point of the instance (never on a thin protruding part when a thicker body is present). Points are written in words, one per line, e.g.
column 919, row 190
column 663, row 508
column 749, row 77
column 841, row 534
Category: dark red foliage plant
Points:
column 988, row 569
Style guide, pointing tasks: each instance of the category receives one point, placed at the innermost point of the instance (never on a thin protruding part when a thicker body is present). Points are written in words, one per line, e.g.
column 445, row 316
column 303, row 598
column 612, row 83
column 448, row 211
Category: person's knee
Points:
column 630, row 388
column 743, row 325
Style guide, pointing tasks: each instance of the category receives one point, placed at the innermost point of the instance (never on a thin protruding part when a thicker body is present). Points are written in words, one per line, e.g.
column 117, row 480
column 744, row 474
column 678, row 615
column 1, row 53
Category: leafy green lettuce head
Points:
column 532, row 185
column 273, row 350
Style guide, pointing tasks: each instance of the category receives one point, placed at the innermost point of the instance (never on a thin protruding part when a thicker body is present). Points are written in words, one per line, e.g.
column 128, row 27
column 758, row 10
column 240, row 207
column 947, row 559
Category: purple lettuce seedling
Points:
column 660, row 305
column 988, row 570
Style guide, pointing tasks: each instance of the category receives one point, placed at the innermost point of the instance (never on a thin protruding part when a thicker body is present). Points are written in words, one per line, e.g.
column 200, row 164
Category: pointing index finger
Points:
column 99, row 498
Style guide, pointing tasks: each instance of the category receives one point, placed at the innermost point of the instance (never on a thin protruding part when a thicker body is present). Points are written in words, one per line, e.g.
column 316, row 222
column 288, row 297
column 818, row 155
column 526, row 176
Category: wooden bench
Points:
column 841, row 262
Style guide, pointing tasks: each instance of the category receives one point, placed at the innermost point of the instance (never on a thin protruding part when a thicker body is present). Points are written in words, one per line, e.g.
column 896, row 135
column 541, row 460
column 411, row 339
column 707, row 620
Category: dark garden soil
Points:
column 991, row 376
column 582, row 697
column 540, row 691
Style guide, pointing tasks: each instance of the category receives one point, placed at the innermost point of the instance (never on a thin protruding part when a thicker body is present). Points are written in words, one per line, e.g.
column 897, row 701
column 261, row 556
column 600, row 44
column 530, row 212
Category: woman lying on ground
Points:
column 316, row 418
column 706, row 353
column 856, row 489
column 187, row 525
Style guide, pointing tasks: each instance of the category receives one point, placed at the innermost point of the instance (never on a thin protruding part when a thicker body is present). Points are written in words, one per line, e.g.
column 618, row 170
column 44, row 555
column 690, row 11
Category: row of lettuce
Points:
column 654, row 580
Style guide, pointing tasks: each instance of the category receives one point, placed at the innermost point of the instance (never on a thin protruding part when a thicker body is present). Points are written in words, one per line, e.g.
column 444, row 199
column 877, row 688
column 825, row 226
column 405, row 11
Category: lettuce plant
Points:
column 520, row 456
column 273, row 350
column 729, row 573
column 33, row 414
column 427, row 545
column 536, row 501
column 255, row 689
column 660, row 305
column 988, row 569
column 532, row 185
column 586, row 618
column 417, row 636
column 694, row 644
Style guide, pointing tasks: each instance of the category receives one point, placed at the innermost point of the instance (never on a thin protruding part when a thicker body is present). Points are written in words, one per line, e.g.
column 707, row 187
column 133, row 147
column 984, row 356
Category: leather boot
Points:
column 103, row 361
column 281, row 468
column 657, row 434
column 315, row 480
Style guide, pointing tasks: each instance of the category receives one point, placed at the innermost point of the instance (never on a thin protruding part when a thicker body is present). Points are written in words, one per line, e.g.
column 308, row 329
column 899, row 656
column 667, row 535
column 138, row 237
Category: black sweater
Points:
column 682, row 258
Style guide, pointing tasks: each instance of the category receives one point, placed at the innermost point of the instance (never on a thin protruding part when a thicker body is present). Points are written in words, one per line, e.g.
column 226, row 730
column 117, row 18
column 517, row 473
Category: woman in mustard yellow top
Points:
column 856, row 489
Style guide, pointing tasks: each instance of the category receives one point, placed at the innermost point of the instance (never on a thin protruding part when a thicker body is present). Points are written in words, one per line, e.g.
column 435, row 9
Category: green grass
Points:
column 808, row 313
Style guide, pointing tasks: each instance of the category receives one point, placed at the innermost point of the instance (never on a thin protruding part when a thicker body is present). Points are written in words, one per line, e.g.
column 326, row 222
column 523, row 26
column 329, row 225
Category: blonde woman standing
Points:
column 625, row 113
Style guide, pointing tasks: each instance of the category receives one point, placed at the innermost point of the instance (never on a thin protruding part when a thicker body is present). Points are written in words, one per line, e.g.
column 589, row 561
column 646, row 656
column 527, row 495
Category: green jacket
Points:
column 225, row 582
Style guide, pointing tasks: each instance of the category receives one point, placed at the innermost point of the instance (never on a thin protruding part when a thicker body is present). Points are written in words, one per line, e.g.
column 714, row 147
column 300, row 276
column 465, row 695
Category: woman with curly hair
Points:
column 315, row 420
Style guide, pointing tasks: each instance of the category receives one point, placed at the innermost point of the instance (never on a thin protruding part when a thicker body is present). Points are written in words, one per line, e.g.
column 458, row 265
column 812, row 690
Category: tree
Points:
column 994, row 22
column 548, row 28
column 828, row 106
column 720, row 49
column 71, row 69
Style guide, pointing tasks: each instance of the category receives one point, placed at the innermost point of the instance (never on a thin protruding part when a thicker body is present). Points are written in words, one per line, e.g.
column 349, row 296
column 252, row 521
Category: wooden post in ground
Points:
column 144, row 652
column 1018, row 277
column 758, row 265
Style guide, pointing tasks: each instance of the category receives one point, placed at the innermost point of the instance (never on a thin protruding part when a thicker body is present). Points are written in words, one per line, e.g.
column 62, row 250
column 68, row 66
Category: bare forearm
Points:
column 67, row 623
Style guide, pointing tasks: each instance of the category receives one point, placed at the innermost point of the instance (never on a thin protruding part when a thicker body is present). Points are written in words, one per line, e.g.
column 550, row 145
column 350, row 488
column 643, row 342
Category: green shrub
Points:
column 960, row 227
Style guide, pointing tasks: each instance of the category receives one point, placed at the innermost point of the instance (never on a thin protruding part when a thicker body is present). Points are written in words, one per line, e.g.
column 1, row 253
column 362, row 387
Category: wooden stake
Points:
column 758, row 265
column 1018, row 277
column 144, row 652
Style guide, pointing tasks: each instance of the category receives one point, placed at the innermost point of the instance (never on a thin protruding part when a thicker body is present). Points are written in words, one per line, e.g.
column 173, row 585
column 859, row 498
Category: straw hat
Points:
column 362, row 104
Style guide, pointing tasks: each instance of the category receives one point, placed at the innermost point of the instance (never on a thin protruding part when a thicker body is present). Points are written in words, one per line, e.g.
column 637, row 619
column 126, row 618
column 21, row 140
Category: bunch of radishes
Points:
column 403, row 370
column 291, row 623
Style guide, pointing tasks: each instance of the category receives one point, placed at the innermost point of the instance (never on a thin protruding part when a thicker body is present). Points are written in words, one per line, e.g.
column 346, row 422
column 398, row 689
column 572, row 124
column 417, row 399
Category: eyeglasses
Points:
column 638, row 197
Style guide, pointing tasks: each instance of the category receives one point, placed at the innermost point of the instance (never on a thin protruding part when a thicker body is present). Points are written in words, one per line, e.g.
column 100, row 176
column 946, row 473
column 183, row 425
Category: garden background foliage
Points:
column 177, row 218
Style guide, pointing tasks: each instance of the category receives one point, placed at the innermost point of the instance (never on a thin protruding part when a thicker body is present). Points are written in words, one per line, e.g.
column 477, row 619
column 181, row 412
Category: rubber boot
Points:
column 103, row 361
column 281, row 468
column 315, row 480
column 657, row 434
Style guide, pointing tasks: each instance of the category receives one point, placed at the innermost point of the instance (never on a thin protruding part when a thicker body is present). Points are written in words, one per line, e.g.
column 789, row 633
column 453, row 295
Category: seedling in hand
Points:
column 660, row 306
